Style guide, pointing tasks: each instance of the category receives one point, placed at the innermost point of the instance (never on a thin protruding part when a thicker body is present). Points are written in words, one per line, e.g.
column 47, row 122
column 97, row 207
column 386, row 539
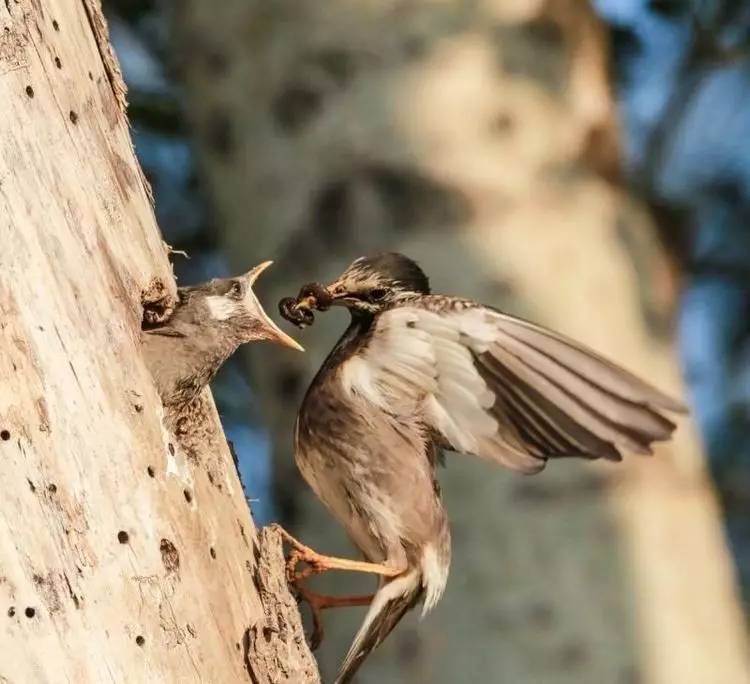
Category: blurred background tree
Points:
column 588, row 172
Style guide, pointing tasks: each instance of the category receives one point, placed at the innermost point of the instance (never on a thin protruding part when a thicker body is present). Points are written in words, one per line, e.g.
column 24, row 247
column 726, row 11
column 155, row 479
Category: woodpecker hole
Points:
column 73, row 117
column 140, row 640
column 58, row 63
column 212, row 551
column 29, row 91
column 123, row 537
column 170, row 446
column 11, row 611
column 52, row 488
column 150, row 471
column 55, row 25
column 4, row 435
column 30, row 612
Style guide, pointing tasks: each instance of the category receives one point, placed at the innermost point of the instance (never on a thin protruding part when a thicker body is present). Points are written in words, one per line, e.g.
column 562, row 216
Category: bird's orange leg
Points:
column 319, row 602
column 318, row 563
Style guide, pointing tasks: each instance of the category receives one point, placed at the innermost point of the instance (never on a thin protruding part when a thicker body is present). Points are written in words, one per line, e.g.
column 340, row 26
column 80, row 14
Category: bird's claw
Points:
column 315, row 566
column 316, row 611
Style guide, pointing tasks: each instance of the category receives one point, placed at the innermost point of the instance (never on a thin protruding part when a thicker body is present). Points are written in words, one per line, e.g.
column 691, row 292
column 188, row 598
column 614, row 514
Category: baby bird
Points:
column 207, row 325
column 416, row 373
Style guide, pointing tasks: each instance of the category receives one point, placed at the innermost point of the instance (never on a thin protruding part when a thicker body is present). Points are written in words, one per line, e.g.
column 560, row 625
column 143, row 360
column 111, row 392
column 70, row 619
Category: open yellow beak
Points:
column 269, row 330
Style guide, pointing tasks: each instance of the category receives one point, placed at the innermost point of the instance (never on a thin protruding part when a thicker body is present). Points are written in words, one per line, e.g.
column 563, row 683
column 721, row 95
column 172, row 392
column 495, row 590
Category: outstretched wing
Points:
column 504, row 389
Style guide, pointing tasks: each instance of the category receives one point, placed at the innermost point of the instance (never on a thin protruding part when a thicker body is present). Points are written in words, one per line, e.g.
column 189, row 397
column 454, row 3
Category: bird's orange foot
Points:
column 318, row 563
column 320, row 602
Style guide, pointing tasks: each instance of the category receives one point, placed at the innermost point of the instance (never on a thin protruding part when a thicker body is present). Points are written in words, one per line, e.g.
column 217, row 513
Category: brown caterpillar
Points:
column 299, row 310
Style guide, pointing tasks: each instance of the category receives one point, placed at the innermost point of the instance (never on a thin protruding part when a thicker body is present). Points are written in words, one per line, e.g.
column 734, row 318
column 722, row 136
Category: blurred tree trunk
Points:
column 480, row 139
column 121, row 558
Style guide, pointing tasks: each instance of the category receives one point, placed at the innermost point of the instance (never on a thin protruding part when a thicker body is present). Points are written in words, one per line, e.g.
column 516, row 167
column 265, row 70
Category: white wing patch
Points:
column 418, row 360
column 397, row 369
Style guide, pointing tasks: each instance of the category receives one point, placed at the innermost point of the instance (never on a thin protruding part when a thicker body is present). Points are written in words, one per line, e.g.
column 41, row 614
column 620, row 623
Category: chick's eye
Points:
column 378, row 294
column 236, row 290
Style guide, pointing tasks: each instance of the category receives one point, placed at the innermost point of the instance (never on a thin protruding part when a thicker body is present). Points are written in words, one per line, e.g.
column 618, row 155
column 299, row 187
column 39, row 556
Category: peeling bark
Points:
column 127, row 551
column 267, row 662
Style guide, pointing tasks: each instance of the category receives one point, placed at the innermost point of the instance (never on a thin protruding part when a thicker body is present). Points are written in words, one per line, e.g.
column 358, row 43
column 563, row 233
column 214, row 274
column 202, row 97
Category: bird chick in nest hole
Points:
column 187, row 341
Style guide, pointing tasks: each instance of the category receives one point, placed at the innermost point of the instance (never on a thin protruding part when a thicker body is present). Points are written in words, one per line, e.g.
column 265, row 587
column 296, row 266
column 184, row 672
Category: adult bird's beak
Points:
column 337, row 295
column 268, row 330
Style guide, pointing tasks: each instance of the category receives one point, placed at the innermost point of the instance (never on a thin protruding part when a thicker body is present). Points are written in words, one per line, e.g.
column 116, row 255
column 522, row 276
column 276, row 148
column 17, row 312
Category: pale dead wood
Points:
column 124, row 556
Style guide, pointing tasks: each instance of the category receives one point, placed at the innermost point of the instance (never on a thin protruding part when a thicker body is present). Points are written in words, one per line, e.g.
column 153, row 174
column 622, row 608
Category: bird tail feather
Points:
column 392, row 601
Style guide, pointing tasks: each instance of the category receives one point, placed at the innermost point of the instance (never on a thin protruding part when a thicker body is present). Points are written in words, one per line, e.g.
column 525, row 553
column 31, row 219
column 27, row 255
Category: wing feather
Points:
column 586, row 363
column 504, row 389
column 558, row 434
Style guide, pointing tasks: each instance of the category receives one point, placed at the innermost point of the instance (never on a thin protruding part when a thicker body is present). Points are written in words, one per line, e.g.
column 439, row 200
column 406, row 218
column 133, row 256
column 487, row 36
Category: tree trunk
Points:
column 480, row 139
column 122, row 557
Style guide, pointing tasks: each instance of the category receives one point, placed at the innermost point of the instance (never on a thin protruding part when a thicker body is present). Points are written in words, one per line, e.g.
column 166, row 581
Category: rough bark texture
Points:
column 124, row 556
column 478, row 138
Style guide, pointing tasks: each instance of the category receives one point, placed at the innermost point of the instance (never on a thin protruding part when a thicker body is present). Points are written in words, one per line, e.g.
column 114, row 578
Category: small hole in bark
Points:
column 123, row 537
column 188, row 495
column 502, row 123
column 55, row 25
column 58, row 63
column 140, row 640
column 11, row 611
column 73, row 117
column 30, row 612
column 91, row 76
column 29, row 91
column 237, row 646
column 31, row 485
column 52, row 488
column 212, row 551
column 150, row 471
column 4, row 435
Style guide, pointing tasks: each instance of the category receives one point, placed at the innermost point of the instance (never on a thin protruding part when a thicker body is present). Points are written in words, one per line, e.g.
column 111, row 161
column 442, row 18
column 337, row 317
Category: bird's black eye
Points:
column 236, row 289
column 378, row 294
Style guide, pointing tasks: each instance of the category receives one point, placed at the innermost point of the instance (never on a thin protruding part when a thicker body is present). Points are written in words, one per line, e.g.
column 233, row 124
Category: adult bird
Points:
column 416, row 373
